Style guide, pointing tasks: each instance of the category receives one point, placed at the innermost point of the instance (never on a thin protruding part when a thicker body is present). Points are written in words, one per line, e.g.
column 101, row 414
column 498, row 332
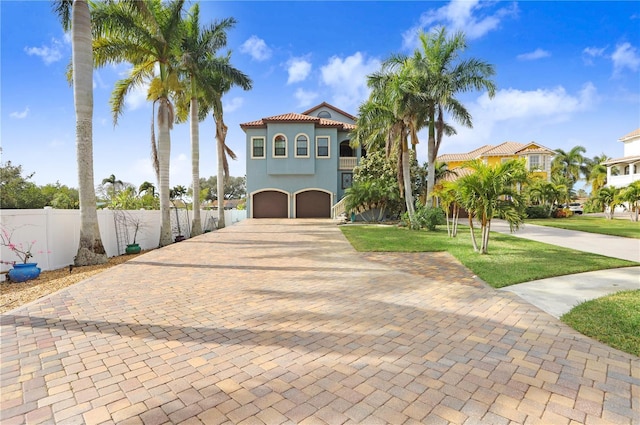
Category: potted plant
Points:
column 23, row 271
column 134, row 222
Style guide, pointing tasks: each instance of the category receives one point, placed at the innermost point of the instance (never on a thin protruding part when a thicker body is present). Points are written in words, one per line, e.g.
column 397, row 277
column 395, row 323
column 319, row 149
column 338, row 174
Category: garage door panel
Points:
column 313, row 204
column 270, row 204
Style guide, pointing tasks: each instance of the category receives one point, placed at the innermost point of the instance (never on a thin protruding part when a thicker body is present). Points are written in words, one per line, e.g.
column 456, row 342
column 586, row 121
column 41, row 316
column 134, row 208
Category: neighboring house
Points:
column 623, row 171
column 299, row 164
column 538, row 158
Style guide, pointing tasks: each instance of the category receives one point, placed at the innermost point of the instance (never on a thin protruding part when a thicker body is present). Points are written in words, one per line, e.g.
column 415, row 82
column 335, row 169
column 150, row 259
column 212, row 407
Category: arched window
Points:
column 280, row 146
column 324, row 114
column 302, row 146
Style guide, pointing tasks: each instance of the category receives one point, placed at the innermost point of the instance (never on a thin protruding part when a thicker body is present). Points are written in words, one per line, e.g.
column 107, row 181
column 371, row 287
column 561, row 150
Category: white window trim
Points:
column 328, row 147
column 264, row 147
column 295, row 152
column 273, row 147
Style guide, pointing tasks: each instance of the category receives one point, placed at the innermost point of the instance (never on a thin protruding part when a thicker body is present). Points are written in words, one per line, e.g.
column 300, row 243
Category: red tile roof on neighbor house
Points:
column 293, row 117
column 631, row 135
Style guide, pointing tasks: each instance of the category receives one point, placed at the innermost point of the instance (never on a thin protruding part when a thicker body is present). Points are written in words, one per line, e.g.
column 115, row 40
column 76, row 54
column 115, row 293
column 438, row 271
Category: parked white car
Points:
column 575, row 207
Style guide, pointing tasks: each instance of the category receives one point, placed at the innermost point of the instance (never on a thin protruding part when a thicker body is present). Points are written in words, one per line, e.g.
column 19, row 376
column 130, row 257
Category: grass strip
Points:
column 613, row 320
column 615, row 227
column 510, row 260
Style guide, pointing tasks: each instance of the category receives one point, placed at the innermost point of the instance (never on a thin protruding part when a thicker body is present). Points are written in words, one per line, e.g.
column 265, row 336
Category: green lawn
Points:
column 510, row 260
column 613, row 320
column 615, row 227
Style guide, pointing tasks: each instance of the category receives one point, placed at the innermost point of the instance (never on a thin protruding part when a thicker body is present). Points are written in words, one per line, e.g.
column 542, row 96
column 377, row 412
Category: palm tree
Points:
column 492, row 191
column 595, row 172
column 199, row 60
column 631, row 195
column 547, row 193
column 388, row 119
column 146, row 34
column 569, row 164
column 441, row 74
column 218, row 78
column 448, row 196
column 608, row 198
column 90, row 249
column 113, row 184
column 148, row 188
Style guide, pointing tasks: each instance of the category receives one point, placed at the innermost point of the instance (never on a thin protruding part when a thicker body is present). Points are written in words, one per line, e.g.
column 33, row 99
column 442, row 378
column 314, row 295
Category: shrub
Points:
column 537, row 211
column 427, row 217
column 563, row 213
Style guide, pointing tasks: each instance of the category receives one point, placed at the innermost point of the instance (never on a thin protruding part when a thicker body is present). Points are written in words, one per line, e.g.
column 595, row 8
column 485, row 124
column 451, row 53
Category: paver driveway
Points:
column 281, row 321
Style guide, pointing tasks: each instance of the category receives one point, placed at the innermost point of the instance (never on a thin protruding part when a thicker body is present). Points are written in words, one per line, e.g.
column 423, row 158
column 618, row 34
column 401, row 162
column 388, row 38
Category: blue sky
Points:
column 568, row 73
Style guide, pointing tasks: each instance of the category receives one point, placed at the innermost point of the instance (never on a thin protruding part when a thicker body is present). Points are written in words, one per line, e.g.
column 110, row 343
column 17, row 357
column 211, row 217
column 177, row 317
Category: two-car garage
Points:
column 310, row 203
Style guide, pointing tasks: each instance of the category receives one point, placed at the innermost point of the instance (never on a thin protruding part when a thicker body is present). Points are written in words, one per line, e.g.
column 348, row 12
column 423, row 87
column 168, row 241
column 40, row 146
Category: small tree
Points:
column 607, row 199
column 492, row 192
column 631, row 195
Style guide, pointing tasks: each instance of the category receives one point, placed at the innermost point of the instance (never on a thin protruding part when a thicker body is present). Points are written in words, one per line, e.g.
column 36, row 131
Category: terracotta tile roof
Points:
column 295, row 117
column 506, row 148
column 538, row 149
column 459, row 172
column 476, row 153
column 631, row 135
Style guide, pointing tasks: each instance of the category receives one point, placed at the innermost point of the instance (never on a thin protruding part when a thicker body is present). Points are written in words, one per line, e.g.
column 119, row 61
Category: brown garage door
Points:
column 313, row 204
column 270, row 204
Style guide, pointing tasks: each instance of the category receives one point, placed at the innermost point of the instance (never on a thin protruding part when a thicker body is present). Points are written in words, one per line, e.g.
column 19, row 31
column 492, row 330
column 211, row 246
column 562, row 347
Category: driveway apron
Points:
column 281, row 321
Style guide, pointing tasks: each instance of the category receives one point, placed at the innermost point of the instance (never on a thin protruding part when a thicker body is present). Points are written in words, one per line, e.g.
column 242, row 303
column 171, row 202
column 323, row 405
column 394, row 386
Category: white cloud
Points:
column 347, row 78
column 20, row 115
column 517, row 108
column 625, row 56
column 49, row 54
column 459, row 15
column 305, row 98
column 298, row 69
column 589, row 53
column 536, row 54
column 136, row 98
column 257, row 48
column 234, row 104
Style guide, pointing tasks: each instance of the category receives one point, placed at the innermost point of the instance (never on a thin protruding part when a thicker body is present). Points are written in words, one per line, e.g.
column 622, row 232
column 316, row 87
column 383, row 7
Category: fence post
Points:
column 48, row 211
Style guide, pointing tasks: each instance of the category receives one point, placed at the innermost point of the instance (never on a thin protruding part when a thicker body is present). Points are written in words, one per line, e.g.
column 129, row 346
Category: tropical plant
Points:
column 218, row 78
column 198, row 58
column 75, row 15
column 568, row 164
column 607, row 199
column 428, row 217
column 147, row 34
column 386, row 119
column 447, row 194
column 177, row 194
column 491, row 191
column 114, row 185
column 370, row 198
column 595, row 172
column 148, row 188
column 631, row 195
column 546, row 194
column 441, row 74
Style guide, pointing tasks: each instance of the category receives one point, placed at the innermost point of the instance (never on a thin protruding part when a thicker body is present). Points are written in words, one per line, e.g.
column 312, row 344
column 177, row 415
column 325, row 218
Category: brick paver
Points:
column 281, row 321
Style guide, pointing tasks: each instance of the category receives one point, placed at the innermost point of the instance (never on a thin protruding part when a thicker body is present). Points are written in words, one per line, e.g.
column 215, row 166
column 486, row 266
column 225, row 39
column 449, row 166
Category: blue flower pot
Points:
column 24, row 272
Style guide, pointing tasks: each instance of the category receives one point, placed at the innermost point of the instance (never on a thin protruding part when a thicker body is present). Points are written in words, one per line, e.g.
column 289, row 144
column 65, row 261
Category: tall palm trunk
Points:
column 221, row 137
column 165, row 119
column 432, row 152
column 406, row 177
column 90, row 249
column 196, row 225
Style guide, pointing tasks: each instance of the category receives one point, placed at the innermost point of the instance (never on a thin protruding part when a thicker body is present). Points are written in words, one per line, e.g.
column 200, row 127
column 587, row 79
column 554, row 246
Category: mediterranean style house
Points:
column 299, row 164
column 627, row 168
column 537, row 157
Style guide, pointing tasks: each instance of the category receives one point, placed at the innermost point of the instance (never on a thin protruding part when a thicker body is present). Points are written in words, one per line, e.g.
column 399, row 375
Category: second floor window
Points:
column 302, row 146
column 322, row 144
column 280, row 146
column 534, row 163
column 257, row 147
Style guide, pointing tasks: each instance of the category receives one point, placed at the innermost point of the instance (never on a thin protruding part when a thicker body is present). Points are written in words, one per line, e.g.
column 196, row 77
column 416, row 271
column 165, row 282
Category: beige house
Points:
column 627, row 167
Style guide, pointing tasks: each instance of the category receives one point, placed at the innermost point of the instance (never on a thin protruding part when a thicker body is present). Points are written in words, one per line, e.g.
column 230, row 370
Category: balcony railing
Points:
column 348, row 162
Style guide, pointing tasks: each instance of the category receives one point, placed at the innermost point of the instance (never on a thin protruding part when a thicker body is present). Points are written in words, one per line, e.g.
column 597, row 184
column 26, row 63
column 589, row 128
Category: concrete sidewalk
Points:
column 558, row 295
column 610, row 246
column 282, row 322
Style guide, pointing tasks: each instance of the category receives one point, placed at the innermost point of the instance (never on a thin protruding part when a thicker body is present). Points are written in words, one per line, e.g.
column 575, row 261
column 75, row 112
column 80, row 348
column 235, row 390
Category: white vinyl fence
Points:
column 55, row 233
